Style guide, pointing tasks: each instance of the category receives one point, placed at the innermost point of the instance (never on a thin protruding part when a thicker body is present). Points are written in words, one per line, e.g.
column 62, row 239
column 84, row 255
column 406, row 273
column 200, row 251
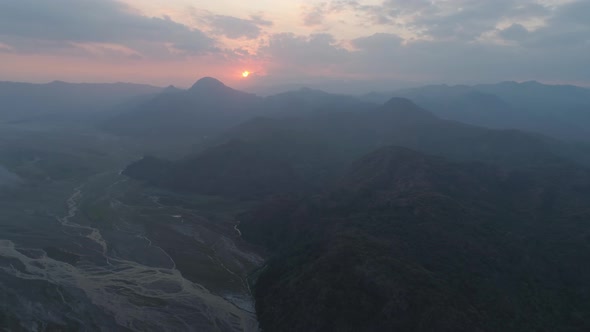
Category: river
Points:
column 114, row 260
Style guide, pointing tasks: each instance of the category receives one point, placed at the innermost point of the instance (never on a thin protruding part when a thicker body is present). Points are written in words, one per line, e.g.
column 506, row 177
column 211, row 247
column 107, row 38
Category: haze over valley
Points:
column 294, row 166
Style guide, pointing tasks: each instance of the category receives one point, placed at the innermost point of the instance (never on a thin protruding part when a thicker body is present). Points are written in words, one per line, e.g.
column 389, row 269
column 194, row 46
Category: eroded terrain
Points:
column 84, row 248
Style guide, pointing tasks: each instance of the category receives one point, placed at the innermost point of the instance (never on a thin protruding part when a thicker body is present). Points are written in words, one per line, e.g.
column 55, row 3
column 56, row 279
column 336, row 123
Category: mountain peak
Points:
column 407, row 108
column 398, row 102
column 171, row 89
column 57, row 82
column 208, row 83
column 532, row 83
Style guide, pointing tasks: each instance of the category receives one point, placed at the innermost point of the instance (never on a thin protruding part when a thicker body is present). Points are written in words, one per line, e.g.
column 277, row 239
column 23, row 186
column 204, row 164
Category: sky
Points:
column 347, row 43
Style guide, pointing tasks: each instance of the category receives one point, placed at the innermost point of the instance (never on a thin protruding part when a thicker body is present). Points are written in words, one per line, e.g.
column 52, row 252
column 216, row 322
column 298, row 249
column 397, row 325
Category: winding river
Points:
column 121, row 280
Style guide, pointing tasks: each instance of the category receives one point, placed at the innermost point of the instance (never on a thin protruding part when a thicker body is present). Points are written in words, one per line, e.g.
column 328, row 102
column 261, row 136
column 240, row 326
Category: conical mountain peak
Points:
column 208, row 83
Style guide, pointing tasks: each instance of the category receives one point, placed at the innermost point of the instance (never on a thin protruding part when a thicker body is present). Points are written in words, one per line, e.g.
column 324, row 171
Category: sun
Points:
column 245, row 74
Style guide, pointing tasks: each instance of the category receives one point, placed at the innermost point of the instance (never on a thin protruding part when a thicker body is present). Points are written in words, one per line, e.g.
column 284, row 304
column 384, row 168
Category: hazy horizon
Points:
column 320, row 165
column 354, row 88
column 355, row 44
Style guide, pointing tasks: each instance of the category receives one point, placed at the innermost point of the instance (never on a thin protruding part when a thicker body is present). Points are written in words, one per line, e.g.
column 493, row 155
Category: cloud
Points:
column 566, row 26
column 378, row 41
column 236, row 28
column 5, row 48
column 465, row 20
column 108, row 50
column 314, row 49
column 95, row 21
column 288, row 54
column 462, row 40
column 315, row 15
column 576, row 12
column 419, row 40
column 8, row 178
column 386, row 56
column 516, row 32
column 453, row 19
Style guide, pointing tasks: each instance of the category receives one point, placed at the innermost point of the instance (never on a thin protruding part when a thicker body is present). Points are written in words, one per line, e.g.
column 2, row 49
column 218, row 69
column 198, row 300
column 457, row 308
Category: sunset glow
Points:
column 295, row 165
column 293, row 41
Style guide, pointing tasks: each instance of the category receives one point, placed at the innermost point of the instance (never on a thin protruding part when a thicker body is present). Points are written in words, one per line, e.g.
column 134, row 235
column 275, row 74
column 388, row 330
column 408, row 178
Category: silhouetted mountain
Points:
column 462, row 103
column 172, row 89
column 23, row 102
column 235, row 169
column 545, row 98
column 548, row 109
column 410, row 242
column 462, row 239
column 309, row 100
column 402, row 123
column 209, row 85
column 209, row 107
column 559, row 110
column 206, row 108
column 316, row 148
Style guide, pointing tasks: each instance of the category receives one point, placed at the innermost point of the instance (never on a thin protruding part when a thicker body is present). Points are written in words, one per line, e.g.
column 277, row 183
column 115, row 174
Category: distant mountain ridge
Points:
column 235, row 169
column 394, row 218
column 27, row 101
column 210, row 107
column 313, row 149
column 556, row 110
column 206, row 108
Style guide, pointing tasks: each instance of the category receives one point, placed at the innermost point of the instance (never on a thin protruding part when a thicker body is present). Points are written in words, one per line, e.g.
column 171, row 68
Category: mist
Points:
column 294, row 165
column 8, row 178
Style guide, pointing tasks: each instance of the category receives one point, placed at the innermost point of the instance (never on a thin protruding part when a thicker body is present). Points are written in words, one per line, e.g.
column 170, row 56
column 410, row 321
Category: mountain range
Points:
column 205, row 109
column 313, row 149
column 556, row 110
column 26, row 102
column 209, row 107
column 391, row 217
column 411, row 242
